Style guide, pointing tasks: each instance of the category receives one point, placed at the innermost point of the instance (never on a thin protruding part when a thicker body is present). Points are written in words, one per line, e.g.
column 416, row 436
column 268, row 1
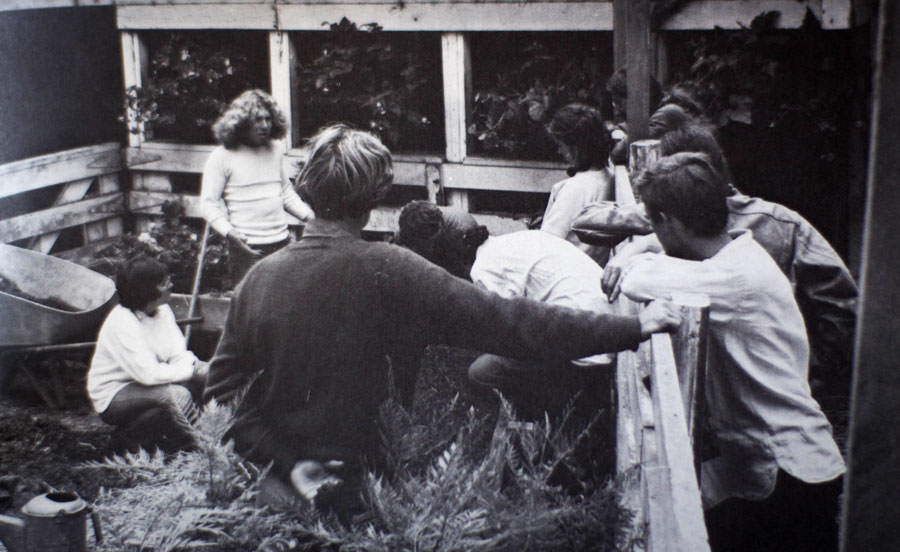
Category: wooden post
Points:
column 638, row 61
column 620, row 31
column 871, row 508
column 640, row 155
column 281, row 55
column 457, row 69
column 134, row 68
column 689, row 345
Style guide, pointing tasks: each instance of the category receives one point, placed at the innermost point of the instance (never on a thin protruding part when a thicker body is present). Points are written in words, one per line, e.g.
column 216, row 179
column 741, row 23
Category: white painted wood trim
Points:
column 460, row 15
column 280, row 56
column 134, row 61
column 418, row 16
column 58, row 168
column 457, row 89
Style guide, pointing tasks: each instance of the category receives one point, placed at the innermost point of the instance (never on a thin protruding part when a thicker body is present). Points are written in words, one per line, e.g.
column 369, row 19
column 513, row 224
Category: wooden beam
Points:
column 134, row 67
column 674, row 446
column 281, row 55
column 689, row 345
column 383, row 219
column 872, row 484
column 457, row 72
column 413, row 16
column 12, row 5
column 64, row 216
column 58, row 168
column 638, row 61
column 620, row 30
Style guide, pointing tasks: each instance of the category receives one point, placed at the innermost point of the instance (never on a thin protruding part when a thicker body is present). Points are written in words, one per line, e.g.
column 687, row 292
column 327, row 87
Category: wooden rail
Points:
column 660, row 398
column 85, row 186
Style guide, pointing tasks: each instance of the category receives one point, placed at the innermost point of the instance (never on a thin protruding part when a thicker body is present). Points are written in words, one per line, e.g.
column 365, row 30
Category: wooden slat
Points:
column 10, row 5
column 65, row 216
column 57, row 168
column 675, row 450
column 383, row 219
column 109, row 184
column 71, row 192
column 871, row 510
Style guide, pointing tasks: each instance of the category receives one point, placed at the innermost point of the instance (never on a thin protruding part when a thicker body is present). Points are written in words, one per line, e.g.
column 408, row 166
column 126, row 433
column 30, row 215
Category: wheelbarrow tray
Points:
column 24, row 322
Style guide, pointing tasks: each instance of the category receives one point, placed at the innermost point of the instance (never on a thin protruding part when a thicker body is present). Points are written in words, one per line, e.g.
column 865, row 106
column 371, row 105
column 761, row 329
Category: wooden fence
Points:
column 660, row 397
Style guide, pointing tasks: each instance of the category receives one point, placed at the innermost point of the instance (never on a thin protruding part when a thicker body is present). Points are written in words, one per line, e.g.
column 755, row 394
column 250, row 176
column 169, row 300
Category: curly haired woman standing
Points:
column 245, row 191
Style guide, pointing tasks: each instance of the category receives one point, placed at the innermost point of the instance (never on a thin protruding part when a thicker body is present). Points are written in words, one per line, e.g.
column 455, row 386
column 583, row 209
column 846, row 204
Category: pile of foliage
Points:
column 512, row 107
column 175, row 243
column 447, row 494
column 192, row 78
column 388, row 83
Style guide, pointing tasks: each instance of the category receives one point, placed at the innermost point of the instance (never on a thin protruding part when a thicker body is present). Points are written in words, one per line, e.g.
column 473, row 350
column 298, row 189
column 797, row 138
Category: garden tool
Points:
column 51, row 522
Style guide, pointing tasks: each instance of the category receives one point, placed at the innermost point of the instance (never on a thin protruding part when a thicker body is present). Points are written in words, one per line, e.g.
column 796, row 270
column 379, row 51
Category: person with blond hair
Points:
column 245, row 191
column 310, row 333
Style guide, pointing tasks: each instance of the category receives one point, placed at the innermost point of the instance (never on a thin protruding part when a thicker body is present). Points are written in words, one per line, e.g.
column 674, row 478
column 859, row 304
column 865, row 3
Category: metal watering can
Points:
column 52, row 522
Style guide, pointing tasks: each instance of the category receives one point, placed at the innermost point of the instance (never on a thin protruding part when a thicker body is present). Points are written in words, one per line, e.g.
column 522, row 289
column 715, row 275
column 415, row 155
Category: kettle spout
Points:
column 12, row 533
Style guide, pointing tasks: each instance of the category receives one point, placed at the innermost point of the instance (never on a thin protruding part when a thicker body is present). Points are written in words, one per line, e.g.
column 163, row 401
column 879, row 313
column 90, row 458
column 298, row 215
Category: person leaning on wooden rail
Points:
column 245, row 191
column 309, row 333
column 141, row 370
column 775, row 480
column 528, row 263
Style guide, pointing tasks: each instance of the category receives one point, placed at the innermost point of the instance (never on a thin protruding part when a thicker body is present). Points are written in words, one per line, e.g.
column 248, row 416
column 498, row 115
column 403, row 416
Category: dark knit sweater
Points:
column 316, row 322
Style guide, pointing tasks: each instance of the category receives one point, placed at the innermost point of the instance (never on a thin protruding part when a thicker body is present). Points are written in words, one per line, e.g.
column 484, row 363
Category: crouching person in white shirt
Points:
column 775, row 482
column 142, row 372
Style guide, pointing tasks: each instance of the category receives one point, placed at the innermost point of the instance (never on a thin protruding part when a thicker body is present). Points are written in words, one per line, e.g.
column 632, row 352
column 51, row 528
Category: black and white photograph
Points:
column 449, row 275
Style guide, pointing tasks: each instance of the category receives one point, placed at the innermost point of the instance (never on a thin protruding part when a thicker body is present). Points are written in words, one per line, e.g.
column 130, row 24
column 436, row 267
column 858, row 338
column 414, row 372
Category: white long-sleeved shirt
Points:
column 247, row 189
column 135, row 347
column 757, row 394
column 569, row 197
column 545, row 268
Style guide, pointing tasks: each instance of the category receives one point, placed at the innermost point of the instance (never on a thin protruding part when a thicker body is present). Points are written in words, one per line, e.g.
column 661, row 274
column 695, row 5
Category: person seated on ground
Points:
column 775, row 482
column 584, row 141
column 309, row 332
column 823, row 286
column 531, row 264
column 141, row 370
column 245, row 191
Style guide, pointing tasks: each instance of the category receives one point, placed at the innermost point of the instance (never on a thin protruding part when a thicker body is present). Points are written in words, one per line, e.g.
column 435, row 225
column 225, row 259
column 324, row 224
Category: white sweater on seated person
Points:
column 135, row 347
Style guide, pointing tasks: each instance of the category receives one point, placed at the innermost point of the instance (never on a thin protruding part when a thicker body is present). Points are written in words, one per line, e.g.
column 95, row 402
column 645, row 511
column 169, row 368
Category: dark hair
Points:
column 667, row 118
column 348, row 172
column 229, row 128
column 682, row 95
column 424, row 229
column 582, row 128
column 686, row 186
column 617, row 86
column 696, row 137
column 137, row 280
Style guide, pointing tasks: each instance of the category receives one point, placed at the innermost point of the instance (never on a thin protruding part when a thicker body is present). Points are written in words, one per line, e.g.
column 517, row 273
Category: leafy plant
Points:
column 192, row 77
column 176, row 244
column 760, row 76
column 388, row 83
column 460, row 497
column 510, row 111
